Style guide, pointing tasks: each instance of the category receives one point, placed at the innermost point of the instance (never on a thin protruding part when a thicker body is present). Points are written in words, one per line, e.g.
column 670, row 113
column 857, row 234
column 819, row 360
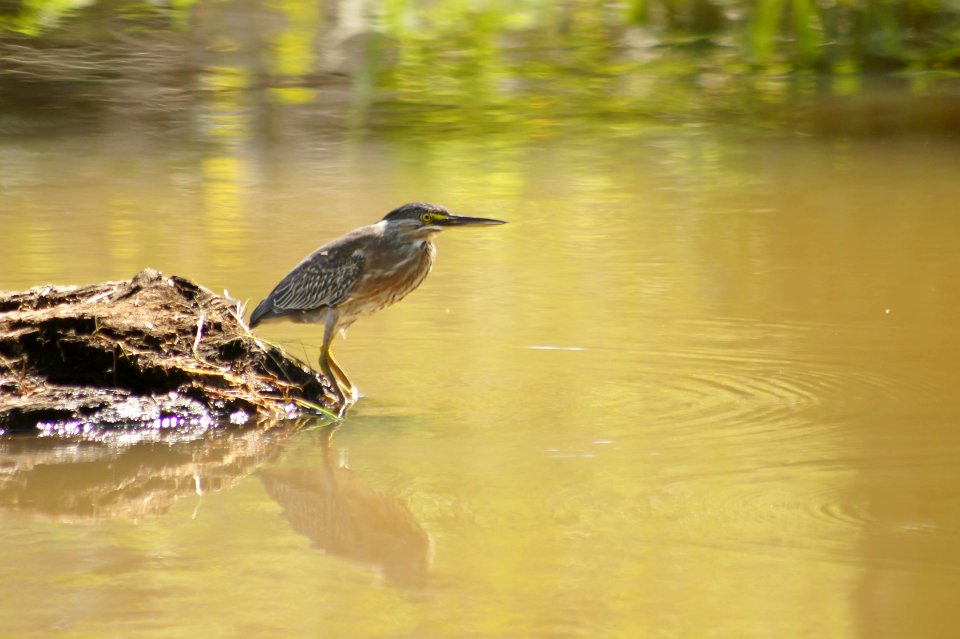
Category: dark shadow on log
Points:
column 153, row 350
column 344, row 517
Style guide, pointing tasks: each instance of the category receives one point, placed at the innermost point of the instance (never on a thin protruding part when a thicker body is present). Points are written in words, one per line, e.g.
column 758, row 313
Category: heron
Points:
column 360, row 273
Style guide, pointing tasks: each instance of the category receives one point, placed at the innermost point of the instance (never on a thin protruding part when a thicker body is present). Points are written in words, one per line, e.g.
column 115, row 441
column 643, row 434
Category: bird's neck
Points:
column 422, row 234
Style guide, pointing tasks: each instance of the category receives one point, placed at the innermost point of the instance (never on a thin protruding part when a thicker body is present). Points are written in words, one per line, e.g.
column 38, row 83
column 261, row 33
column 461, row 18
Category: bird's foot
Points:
column 344, row 397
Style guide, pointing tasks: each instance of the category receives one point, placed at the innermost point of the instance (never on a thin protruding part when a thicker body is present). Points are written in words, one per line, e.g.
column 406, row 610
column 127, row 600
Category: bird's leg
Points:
column 350, row 388
column 329, row 325
column 334, row 381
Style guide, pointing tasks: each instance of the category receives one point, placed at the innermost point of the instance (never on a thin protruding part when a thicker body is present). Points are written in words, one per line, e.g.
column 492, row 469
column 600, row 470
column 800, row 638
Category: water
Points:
column 702, row 385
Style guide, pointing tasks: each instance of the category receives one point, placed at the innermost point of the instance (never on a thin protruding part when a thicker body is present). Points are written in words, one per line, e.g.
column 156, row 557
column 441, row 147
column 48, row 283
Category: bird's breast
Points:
column 390, row 275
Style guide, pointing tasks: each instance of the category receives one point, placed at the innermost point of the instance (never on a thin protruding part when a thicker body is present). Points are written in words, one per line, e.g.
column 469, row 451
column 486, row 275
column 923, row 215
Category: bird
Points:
column 360, row 273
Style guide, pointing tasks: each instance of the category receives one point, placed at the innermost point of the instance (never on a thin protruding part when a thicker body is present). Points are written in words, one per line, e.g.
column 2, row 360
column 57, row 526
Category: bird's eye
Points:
column 426, row 218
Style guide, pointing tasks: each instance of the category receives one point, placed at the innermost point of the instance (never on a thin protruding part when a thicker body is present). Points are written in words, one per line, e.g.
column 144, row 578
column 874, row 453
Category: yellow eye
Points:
column 426, row 218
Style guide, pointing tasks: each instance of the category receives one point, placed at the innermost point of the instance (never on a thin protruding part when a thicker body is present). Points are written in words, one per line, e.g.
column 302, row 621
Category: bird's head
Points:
column 421, row 218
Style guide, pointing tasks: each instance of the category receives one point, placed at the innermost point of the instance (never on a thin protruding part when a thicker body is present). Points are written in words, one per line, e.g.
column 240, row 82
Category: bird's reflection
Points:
column 134, row 475
column 344, row 517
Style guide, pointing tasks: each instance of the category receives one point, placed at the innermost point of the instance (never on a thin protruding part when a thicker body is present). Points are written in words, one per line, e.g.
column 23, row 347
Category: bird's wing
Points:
column 320, row 280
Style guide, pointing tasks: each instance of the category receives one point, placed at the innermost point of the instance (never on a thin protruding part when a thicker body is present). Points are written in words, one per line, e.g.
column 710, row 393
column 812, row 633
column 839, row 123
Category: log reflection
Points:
column 139, row 474
column 344, row 517
column 127, row 475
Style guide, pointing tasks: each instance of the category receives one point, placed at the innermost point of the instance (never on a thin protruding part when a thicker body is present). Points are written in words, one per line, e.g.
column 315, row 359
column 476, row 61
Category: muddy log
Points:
column 154, row 350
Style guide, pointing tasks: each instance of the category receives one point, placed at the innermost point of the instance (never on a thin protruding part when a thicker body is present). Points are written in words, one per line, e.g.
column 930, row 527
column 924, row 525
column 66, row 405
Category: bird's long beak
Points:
column 462, row 220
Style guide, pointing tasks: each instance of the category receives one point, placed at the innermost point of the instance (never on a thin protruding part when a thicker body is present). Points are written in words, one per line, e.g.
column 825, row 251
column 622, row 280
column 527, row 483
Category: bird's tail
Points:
column 263, row 311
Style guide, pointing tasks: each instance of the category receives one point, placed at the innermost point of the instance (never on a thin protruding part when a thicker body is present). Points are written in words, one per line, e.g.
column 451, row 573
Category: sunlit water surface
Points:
column 704, row 384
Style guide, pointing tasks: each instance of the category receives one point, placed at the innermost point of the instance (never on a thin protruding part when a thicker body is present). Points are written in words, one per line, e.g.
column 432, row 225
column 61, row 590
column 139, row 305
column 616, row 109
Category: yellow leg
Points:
column 334, row 380
column 326, row 359
column 347, row 385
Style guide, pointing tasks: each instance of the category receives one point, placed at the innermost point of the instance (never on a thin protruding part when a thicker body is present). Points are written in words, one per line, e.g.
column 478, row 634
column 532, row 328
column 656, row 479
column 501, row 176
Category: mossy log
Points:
column 153, row 350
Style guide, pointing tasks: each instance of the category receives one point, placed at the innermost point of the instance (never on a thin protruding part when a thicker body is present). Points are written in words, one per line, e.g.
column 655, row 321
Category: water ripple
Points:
column 762, row 376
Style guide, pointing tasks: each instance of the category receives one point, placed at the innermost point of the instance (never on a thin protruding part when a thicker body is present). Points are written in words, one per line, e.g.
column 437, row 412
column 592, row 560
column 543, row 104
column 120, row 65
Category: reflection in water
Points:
column 127, row 475
column 760, row 406
column 752, row 434
column 524, row 67
column 344, row 517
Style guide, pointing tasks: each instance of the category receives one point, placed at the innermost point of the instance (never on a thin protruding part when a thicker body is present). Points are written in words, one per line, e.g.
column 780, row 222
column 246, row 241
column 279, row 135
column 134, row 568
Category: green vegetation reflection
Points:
column 527, row 67
column 828, row 36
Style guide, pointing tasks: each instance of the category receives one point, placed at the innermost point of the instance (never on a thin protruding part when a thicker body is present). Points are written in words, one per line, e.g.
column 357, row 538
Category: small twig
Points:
column 100, row 296
column 237, row 309
column 196, row 342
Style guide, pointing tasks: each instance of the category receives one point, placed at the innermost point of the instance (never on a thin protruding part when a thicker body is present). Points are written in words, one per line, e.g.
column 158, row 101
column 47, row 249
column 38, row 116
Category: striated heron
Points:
column 360, row 273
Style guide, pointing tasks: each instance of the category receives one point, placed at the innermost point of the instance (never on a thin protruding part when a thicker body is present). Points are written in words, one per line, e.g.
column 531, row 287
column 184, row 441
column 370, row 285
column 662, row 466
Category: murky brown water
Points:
column 703, row 385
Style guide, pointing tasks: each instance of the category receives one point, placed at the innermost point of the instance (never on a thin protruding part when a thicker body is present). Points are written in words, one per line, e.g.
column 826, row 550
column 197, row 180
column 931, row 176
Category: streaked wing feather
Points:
column 318, row 281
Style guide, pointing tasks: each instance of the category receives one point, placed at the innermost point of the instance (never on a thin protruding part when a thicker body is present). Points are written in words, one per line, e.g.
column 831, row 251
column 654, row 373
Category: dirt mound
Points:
column 152, row 350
